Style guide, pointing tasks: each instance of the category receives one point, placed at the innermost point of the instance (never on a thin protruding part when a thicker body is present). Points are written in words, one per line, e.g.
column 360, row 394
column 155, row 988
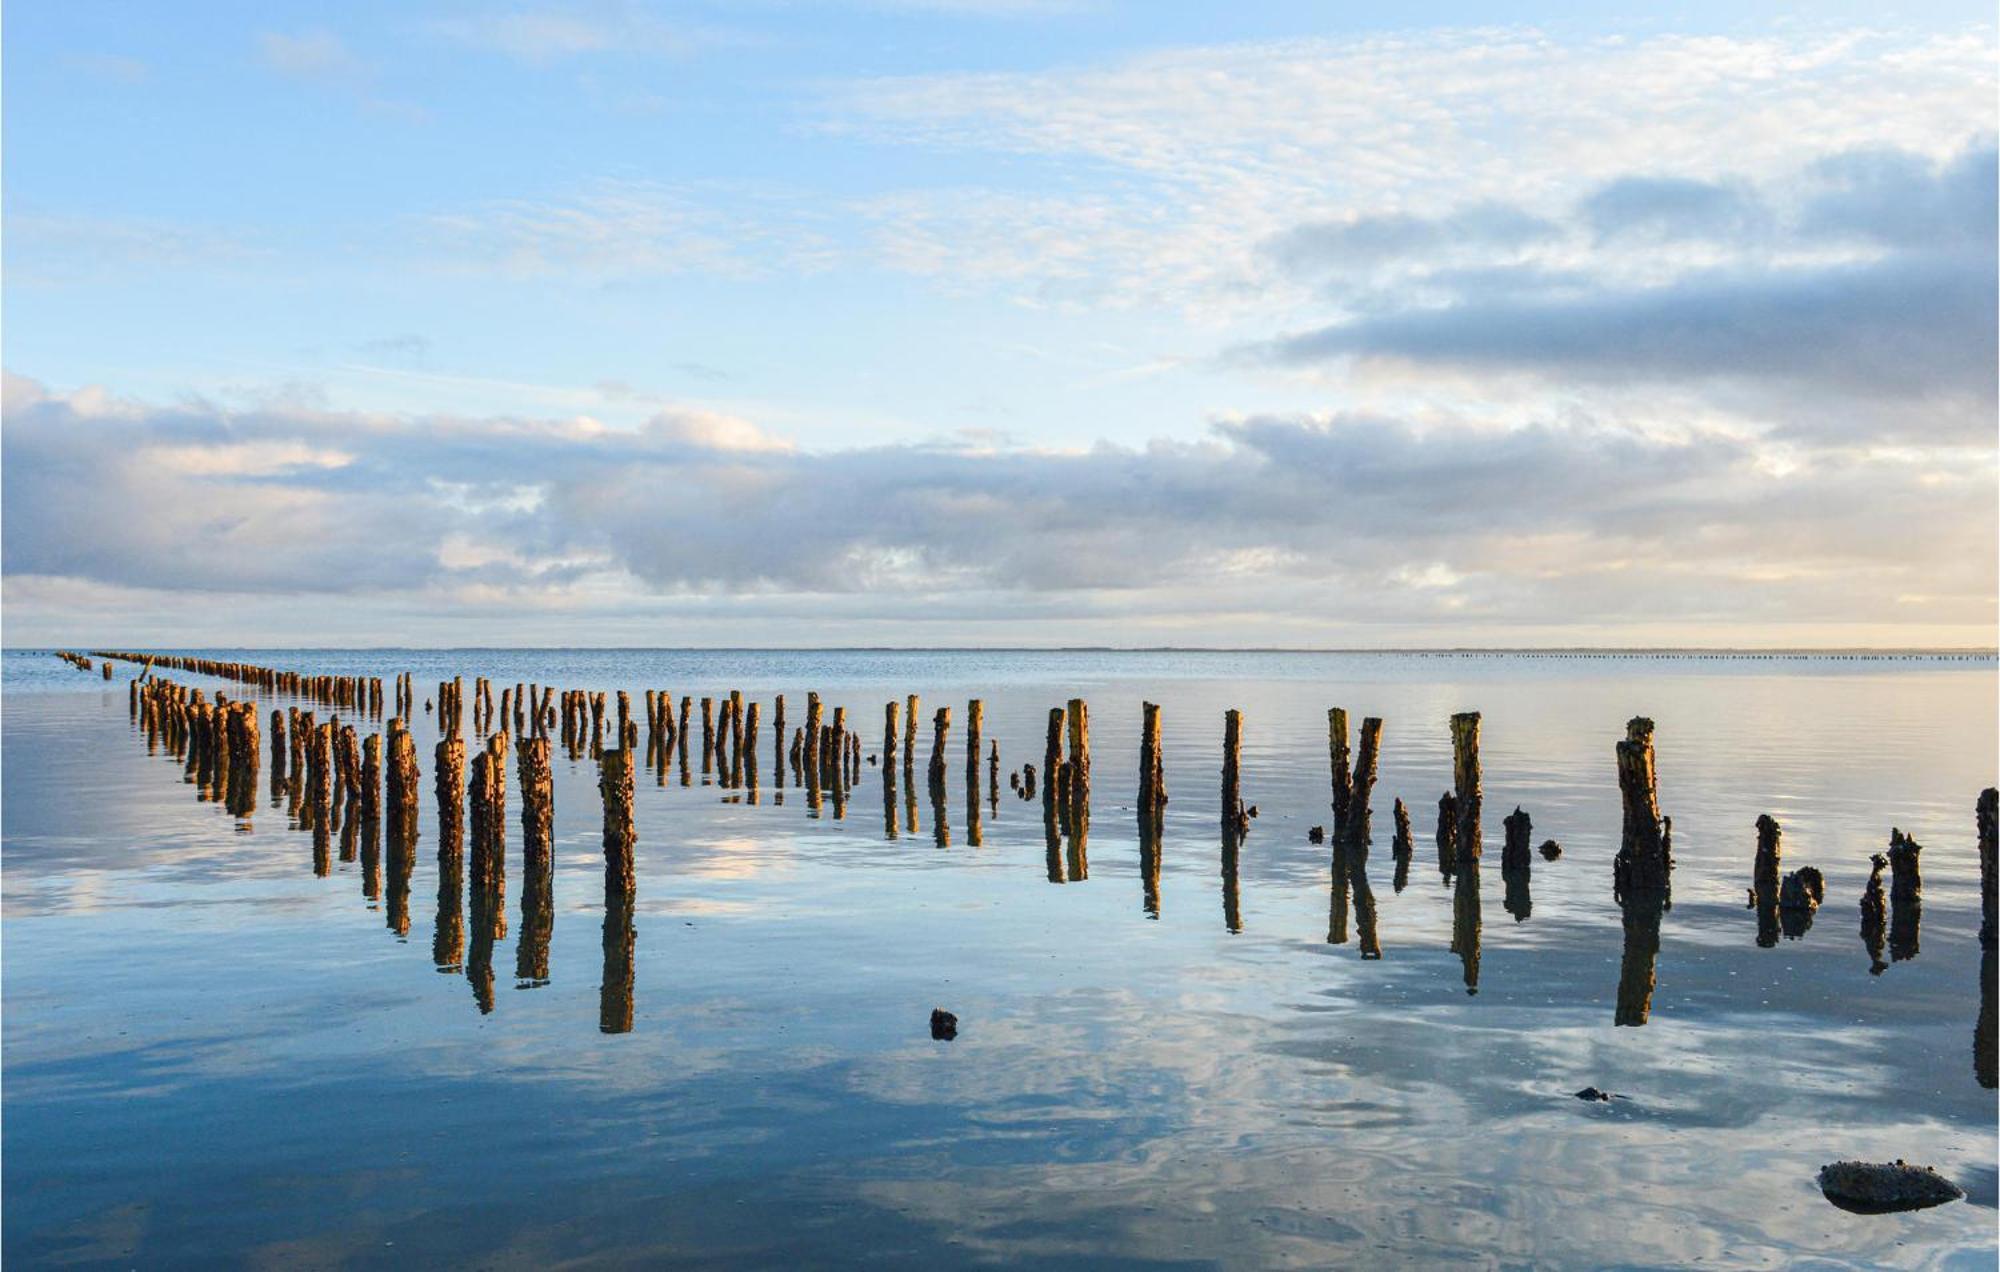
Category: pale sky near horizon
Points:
column 1022, row 322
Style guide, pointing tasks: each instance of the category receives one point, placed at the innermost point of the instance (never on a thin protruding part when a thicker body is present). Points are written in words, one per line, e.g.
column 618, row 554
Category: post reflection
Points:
column 1466, row 920
column 1151, row 827
column 1232, row 896
column 614, row 1000
column 1984, row 1066
column 1642, row 910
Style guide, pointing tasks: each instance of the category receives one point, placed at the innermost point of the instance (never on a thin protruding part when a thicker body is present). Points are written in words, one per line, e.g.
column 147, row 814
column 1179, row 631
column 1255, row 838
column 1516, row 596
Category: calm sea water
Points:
column 216, row 1056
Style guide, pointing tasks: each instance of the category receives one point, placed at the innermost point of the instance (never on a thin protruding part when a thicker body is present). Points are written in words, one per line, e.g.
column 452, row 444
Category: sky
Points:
column 998, row 322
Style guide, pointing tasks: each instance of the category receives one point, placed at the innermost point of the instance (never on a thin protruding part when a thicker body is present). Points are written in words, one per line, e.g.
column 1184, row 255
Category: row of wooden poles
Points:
column 220, row 743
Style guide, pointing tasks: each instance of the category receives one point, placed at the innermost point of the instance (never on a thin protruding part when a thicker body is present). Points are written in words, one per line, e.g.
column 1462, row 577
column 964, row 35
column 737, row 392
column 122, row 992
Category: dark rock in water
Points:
column 944, row 1025
column 1317, row 835
column 1250, row 811
column 1878, row 1188
column 1592, row 1093
column 1550, row 850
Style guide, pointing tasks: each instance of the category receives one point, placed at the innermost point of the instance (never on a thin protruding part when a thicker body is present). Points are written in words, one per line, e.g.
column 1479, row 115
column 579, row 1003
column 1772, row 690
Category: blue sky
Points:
column 1061, row 321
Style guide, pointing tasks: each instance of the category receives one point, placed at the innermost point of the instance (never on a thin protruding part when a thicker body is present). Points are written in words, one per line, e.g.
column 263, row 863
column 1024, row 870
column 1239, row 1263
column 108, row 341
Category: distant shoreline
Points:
column 1466, row 651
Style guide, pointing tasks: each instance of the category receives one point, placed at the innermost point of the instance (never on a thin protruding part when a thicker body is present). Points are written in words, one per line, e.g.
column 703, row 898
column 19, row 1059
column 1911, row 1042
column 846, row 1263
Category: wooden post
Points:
column 749, row 748
column 1515, row 853
column 889, row 732
column 614, row 783
column 735, row 737
column 1764, row 879
column 1469, row 840
column 1338, row 760
column 940, row 729
column 975, row 720
column 1987, row 816
column 1152, row 779
column 1233, row 818
column 1645, row 856
column 809, row 760
column 537, row 808
column 910, row 708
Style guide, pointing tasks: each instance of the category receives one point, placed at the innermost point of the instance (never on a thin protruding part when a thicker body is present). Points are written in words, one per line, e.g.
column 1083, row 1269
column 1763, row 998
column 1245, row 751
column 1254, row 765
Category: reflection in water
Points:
column 974, row 830
column 1364, row 902
column 1152, row 826
column 1465, row 921
column 1519, row 899
column 1983, row 1042
column 1447, row 834
column 1232, row 899
column 402, row 862
column 489, row 924
column 1052, row 836
column 940, row 821
column 1642, row 910
column 538, row 918
column 614, row 1000
column 371, row 859
column 889, row 801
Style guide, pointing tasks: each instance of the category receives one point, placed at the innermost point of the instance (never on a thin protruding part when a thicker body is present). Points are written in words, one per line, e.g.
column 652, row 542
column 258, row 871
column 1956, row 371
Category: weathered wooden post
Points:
column 940, row 730
column 889, row 731
column 1874, row 915
column 537, row 809
column 1337, row 763
column 1905, row 896
column 1987, row 816
column 1468, row 841
column 1645, row 855
column 749, row 749
column 1233, row 817
column 975, row 721
column 1764, row 879
column 1402, row 846
column 910, row 708
column 735, row 737
column 809, row 759
column 614, row 783
column 1515, row 854
column 1152, row 771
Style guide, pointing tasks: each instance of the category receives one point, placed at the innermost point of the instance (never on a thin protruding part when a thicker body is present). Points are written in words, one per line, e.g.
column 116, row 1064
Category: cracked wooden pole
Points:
column 1988, row 819
column 1337, row 762
column 1764, row 879
column 975, row 722
column 1149, row 760
column 278, row 747
column 707, row 738
column 400, row 783
column 1515, row 853
column 736, row 737
column 749, row 749
column 837, row 753
column 1233, row 818
column 1402, row 846
column 1645, row 854
column 1052, row 759
column 1468, row 840
column 911, row 705
column 778, row 740
column 889, row 732
column 371, row 778
column 489, row 817
column 614, row 783
column 940, row 730
column 538, row 806
column 809, row 758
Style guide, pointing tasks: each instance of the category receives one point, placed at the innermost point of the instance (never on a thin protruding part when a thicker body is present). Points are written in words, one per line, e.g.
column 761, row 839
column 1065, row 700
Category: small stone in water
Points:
column 1592, row 1093
column 1876, row 1188
column 1317, row 835
column 1550, row 850
column 944, row 1025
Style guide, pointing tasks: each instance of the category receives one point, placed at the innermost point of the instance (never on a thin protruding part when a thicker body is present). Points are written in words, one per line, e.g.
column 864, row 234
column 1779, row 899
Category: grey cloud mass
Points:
column 1365, row 522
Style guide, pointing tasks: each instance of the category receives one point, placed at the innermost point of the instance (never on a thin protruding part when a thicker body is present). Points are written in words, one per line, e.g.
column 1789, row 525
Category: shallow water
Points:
column 214, row 1055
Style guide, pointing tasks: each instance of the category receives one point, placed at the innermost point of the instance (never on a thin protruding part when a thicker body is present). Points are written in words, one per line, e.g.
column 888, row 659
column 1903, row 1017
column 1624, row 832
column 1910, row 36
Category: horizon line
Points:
column 1988, row 651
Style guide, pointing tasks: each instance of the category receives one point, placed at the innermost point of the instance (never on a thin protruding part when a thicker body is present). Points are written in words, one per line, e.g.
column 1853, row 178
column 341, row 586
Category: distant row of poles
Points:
column 337, row 783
